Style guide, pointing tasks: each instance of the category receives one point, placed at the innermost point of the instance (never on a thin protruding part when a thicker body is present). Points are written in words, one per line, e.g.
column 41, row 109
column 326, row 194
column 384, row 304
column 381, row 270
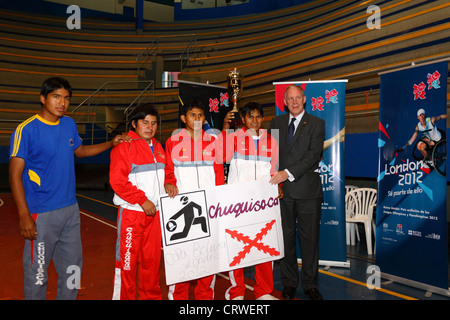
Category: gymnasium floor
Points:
column 98, row 217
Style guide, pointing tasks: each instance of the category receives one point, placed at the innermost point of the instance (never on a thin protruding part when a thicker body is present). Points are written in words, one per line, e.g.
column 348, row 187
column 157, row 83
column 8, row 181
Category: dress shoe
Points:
column 313, row 294
column 289, row 293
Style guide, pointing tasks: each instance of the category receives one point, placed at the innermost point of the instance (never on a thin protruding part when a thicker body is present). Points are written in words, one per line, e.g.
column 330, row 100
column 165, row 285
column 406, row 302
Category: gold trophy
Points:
column 234, row 82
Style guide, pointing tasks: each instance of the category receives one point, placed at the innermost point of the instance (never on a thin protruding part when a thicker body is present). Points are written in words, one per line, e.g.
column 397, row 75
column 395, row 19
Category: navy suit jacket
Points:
column 302, row 157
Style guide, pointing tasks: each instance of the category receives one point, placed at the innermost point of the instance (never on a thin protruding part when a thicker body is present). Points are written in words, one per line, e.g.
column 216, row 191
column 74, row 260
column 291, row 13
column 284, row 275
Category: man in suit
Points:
column 299, row 157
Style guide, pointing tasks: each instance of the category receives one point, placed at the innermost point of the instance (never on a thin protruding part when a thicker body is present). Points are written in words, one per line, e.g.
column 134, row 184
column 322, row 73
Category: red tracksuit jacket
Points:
column 192, row 164
column 137, row 173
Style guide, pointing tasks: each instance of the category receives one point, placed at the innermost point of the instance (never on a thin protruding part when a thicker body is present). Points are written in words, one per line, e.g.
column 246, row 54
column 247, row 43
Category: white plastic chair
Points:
column 350, row 227
column 362, row 202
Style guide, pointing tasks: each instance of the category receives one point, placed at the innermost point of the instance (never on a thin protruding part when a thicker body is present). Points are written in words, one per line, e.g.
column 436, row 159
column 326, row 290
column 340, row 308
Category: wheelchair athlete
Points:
column 430, row 135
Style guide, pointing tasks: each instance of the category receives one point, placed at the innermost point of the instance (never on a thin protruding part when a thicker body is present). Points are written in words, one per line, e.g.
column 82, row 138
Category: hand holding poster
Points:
column 220, row 229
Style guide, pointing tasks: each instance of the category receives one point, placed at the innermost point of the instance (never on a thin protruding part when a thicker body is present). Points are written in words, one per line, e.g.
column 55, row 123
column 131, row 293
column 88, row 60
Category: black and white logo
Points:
column 185, row 217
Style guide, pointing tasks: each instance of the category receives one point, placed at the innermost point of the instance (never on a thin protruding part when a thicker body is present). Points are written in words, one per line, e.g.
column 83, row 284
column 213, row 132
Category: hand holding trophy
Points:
column 234, row 83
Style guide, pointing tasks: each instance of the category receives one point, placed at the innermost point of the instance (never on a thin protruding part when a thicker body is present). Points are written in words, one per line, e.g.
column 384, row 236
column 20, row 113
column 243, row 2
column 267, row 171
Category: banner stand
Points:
column 330, row 263
column 326, row 99
column 419, row 285
column 411, row 235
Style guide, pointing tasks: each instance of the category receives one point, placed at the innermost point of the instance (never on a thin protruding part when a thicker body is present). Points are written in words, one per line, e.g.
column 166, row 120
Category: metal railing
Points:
column 144, row 59
column 143, row 97
column 154, row 49
column 110, row 95
column 185, row 55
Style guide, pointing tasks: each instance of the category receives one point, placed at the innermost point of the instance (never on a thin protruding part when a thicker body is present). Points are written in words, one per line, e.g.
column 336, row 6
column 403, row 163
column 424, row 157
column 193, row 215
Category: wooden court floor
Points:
column 98, row 236
column 98, row 233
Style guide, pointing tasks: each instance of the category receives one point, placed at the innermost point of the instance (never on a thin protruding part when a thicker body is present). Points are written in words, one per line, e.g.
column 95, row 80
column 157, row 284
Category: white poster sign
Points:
column 219, row 229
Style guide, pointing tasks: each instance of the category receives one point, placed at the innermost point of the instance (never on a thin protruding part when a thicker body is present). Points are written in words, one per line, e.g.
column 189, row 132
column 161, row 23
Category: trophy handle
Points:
column 234, row 81
column 235, row 103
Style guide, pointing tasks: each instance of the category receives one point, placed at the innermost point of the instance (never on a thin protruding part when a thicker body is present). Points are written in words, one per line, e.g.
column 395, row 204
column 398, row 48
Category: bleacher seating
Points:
column 318, row 40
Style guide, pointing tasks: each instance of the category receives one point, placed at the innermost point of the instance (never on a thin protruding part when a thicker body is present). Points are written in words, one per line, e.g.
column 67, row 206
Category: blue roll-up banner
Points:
column 411, row 236
column 326, row 100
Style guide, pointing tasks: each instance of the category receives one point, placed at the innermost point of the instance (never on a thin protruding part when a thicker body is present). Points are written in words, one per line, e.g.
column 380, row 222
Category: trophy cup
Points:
column 234, row 82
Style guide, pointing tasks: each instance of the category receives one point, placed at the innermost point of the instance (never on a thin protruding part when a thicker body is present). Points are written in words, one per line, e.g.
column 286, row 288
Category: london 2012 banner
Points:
column 411, row 236
column 220, row 228
column 326, row 100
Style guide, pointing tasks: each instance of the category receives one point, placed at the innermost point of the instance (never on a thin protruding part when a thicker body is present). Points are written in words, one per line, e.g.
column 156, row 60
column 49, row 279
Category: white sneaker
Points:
column 267, row 297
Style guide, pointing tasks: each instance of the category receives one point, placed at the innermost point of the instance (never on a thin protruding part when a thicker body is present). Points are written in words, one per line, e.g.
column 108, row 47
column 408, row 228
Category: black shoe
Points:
column 289, row 293
column 314, row 294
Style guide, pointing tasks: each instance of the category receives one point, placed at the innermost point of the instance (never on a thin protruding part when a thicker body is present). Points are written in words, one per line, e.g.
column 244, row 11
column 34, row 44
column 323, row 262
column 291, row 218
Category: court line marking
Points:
column 105, row 203
column 115, row 227
column 94, row 218
column 224, row 276
column 365, row 285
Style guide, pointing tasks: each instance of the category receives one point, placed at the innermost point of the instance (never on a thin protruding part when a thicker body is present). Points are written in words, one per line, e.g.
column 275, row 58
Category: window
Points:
column 169, row 79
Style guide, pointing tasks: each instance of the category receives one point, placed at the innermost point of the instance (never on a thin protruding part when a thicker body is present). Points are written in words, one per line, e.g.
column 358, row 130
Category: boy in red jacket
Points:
column 190, row 166
column 252, row 154
column 137, row 178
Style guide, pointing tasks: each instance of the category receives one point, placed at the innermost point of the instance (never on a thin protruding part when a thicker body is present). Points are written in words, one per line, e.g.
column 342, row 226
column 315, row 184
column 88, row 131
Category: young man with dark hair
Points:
column 42, row 179
column 191, row 165
column 252, row 154
column 137, row 178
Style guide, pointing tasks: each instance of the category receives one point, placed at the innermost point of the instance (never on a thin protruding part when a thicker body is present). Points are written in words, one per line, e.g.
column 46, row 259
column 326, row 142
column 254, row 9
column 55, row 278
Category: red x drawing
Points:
column 252, row 243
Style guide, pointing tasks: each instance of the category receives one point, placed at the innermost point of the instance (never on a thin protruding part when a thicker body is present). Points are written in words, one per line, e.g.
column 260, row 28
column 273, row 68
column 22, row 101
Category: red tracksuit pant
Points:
column 203, row 291
column 263, row 279
column 138, row 250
